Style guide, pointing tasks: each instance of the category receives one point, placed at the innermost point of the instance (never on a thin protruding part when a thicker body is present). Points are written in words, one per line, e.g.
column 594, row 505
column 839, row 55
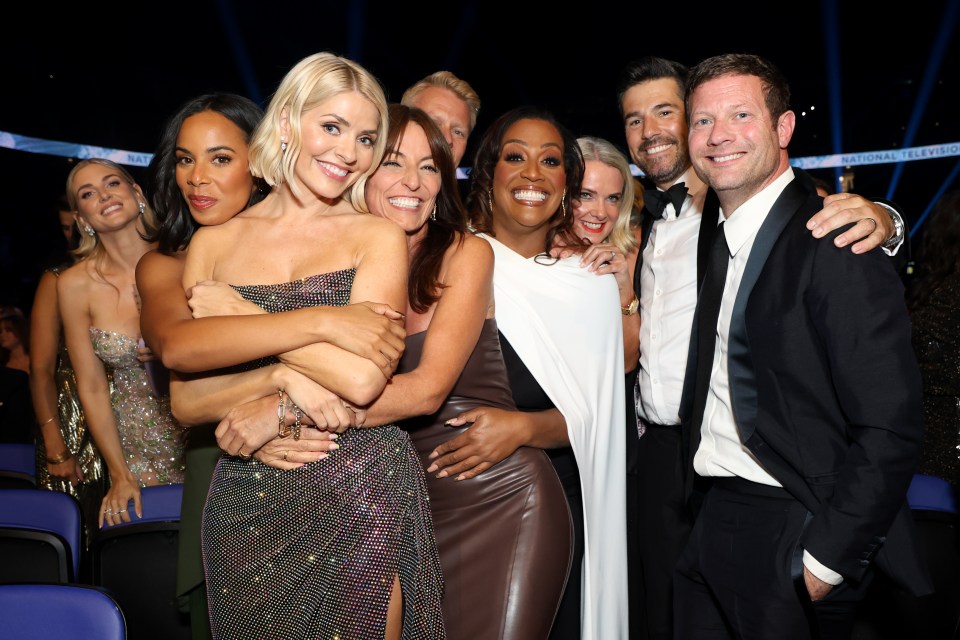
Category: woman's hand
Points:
column 490, row 439
column 606, row 258
column 69, row 470
column 325, row 409
column 115, row 506
column 211, row 298
column 248, row 427
column 370, row 330
column 287, row 453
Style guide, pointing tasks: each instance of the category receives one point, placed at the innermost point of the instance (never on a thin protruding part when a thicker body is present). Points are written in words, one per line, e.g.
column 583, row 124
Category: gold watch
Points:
column 630, row 309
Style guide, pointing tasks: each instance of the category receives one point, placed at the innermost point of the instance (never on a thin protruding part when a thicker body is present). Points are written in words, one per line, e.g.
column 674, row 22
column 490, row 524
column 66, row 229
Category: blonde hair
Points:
column 622, row 236
column 313, row 80
column 446, row 80
column 89, row 245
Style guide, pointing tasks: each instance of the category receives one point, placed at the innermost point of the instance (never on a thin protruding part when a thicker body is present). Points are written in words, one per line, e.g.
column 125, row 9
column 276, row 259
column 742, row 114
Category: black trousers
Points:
column 741, row 574
column 658, row 526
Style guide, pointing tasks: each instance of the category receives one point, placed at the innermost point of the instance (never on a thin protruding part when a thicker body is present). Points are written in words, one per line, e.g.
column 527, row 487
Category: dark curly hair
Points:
column 485, row 161
column 450, row 223
column 176, row 225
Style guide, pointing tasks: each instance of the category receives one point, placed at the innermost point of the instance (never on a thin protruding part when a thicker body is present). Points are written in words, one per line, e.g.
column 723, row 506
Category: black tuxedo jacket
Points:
column 826, row 390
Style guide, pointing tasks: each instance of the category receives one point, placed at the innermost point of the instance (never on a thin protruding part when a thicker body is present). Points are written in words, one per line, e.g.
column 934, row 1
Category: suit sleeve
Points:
column 857, row 306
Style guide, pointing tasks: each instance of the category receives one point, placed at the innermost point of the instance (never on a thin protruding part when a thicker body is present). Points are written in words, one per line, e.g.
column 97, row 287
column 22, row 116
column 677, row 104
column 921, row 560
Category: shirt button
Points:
column 659, row 252
column 657, row 292
column 653, row 336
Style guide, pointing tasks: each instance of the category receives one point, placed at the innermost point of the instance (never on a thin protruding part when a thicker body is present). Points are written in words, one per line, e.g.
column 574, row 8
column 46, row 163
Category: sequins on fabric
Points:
column 313, row 552
column 936, row 342
column 151, row 439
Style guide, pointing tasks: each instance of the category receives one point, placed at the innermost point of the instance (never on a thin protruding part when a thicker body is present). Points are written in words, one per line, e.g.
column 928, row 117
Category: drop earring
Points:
column 433, row 214
column 563, row 204
column 490, row 199
column 87, row 229
column 283, row 146
column 141, row 206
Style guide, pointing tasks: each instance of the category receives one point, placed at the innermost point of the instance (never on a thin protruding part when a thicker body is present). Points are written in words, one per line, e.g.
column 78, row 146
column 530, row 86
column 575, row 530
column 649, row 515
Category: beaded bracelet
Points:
column 63, row 457
column 282, row 429
column 297, row 414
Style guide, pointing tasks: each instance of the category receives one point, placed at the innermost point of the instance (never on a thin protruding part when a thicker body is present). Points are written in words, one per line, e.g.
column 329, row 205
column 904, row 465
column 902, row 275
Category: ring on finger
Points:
column 613, row 254
column 873, row 221
column 285, row 455
column 107, row 512
column 122, row 511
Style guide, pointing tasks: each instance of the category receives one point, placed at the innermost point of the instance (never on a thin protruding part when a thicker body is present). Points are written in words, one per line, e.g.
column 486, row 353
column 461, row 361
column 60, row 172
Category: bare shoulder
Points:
column 154, row 264
column 471, row 251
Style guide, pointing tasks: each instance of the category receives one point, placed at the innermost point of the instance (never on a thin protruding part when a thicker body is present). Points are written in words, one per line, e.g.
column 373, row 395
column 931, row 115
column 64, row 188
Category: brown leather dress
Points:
column 505, row 536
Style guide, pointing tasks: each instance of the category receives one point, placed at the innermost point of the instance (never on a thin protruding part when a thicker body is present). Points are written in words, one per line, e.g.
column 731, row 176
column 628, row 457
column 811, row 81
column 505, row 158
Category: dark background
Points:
column 109, row 74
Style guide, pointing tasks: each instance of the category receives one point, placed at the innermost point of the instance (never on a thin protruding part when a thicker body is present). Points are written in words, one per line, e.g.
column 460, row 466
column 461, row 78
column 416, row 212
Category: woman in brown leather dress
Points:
column 505, row 536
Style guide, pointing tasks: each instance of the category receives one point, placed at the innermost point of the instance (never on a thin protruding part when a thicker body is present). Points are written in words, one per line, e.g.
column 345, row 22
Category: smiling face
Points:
column 337, row 143
column 656, row 129
column 735, row 145
column 451, row 114
column 105, row 200
column 405, row 186
column 597, row 205
column 212, row 170
column 528, row 180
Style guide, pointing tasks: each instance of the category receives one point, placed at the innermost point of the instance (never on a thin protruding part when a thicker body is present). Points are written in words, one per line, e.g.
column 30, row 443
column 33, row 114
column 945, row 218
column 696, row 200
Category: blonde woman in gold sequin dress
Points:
column 132, row 426
column 67, row 459
column 344, row 546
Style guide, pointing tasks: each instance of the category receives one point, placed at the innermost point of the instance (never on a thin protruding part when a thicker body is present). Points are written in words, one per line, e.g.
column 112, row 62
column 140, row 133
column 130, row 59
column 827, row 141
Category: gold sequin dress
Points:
column 76, row 435
column 151, row 439
column 313, row 552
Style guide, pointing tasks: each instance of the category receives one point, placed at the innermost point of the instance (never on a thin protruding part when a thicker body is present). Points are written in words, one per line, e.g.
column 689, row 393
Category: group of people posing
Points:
column 400, row 414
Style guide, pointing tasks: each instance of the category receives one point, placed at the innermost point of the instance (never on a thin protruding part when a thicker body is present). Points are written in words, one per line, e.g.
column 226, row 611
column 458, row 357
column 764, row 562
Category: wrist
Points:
column 630, row 308
column 899, row 228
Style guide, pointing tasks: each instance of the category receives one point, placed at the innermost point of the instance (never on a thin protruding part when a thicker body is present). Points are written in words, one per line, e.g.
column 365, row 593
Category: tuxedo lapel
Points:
column 743, row 384
column 646, row 225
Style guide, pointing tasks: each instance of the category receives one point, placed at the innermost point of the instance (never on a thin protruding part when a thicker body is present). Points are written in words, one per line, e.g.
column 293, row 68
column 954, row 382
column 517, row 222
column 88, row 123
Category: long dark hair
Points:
column 450, row 223
column 485, row 161
column 939, row 253
column 176, row 224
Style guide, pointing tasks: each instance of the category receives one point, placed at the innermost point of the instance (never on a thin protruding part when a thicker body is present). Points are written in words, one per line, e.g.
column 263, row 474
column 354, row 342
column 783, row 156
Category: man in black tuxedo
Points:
column 670, row 266
column 802, row 403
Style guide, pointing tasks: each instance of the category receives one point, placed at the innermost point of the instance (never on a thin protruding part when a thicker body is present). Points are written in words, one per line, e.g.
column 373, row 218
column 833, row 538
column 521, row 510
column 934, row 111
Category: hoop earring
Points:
column 433, row 214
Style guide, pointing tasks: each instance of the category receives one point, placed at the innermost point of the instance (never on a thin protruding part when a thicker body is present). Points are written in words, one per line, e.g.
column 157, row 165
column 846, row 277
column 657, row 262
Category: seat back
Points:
column 18, row 468
column 930, row 493
column 61, row 611
column 136, row 562
column 39, row 529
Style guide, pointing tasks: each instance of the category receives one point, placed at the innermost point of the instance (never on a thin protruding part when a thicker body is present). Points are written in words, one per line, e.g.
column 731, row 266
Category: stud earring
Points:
column 433, row 214
column 87, row 229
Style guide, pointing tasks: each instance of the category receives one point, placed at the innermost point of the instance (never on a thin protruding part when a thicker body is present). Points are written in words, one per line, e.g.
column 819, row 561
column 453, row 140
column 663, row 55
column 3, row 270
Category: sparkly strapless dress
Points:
column 505, row 536
column 313, row 552
column 151, row 439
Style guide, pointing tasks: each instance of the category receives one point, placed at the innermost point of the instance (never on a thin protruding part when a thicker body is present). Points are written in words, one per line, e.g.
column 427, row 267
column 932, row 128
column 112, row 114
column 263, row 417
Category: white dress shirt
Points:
column 668, row 299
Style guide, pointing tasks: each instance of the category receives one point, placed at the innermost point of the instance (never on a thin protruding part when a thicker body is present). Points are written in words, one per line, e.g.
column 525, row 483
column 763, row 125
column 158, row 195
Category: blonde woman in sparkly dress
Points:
column 67, row 459
column 342, row 546
column 132, row 426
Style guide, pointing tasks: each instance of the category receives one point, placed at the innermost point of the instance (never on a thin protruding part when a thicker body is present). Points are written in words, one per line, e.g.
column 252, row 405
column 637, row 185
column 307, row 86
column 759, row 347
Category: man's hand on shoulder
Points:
column 874, row 224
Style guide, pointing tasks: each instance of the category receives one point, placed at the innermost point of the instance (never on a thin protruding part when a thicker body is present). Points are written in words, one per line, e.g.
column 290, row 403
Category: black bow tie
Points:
column 656, row 201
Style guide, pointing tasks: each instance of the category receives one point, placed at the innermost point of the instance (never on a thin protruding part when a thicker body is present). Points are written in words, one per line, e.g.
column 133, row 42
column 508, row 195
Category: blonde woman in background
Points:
column 140, row 441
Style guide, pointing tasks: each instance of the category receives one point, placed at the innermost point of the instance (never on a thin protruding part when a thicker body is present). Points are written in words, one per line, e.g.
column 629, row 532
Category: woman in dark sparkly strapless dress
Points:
column 505, row 535
column 342, row 546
